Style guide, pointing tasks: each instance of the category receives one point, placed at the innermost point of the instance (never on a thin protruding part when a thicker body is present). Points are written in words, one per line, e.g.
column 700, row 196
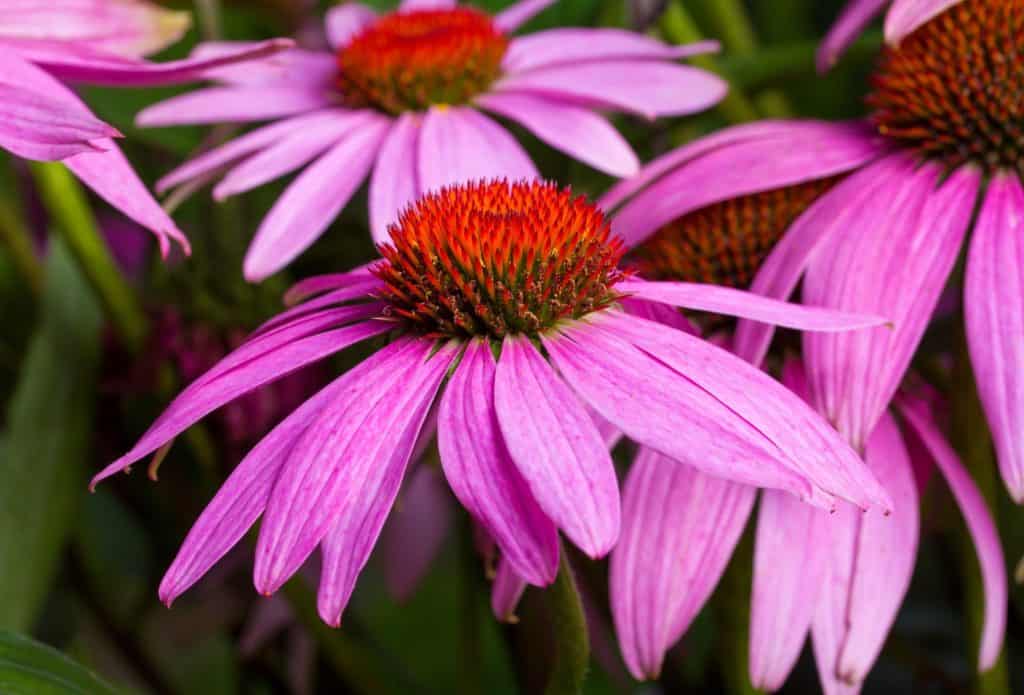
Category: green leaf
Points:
column 30, row 668
column 48, row 435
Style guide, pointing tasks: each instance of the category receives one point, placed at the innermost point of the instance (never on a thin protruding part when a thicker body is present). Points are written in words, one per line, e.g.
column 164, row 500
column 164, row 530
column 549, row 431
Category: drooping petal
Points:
column 785, row 419
column 907, row 15
column 574, row 45
column 233, row 105
column 980, row 524
column 345, row 21
column 328, row 466
column 370, row 470
column 647, row 88
column 994, row 321
column 556, row 447
column 416, row 530
column 578, row 132
column 296, row 67
column 484, row 477
column 36, row 126
column 313, row 200
column 295, row 150
column 505, row 594
column 872, row 561
column 851, row 22
column 805, row 151
column 395, row 180
column 894, row 259
column 659, row 408
column 733, row 302
column 680, row 527
column 459, row 144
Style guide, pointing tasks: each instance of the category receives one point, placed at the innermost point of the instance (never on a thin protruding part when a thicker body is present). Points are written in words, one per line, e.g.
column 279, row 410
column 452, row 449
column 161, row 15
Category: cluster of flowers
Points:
column 526, row 330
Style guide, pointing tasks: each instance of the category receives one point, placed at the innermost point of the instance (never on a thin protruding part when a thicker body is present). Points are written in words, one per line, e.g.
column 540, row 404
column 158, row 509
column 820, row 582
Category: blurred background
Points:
column 79, row 571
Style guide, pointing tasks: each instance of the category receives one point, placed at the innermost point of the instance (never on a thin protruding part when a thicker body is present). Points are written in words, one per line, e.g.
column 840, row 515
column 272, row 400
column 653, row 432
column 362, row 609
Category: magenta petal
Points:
column 368, row 471
column 295, row 68
column 557, row 448
column 660, row 408
column 242, row 104
column 646, row 88
column 854, row 18
column 507, row 590
column 347, row 466
column 409, row 5
column 318, row 284
column 574, row 45
column 313, row 200
column 459, row 144
column 680, row 527
column 483, row 475
column 519, row 13
column 395, row 180
column 994, row 308
column 345, row 21
column 574, row 130
column 864, row 588
column 416, row 530
column 893, row 258
column 907, row 15
column 980, row 524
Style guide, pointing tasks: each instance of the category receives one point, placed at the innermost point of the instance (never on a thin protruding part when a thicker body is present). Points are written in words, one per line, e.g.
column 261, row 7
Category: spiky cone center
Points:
column 954, row 89
column 496, row 258
column 724, row 243
column 409, row 61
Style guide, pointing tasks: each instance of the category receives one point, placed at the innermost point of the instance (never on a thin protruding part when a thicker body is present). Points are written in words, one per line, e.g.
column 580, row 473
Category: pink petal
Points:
column 318, row 284
column 576, row 131
column 659, row 408
column 680, row 527
column 370, row 467
column 733, row 302
column 295, row 67
column 345, row 21
column 907, row 15
column 37, row 126
column 864, row 589
column 233, row 105
column 994, row 313
column 395, row 181
column 331, row 463
column 854, row 18
column 416, row 530
column 893, row 259
column 411, row 5
column 574, row 45
column 557, row 448
column 519, row 13
column 312, row 201
column 980, row 524
column 646, row 88
column 483, row 475
column 459, row 144
column 505, row 594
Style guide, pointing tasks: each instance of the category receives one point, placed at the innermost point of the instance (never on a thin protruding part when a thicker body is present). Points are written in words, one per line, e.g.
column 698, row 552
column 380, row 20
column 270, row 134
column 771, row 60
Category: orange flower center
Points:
column 725, row 243
column 409, row 61
column 491, row 259
column 954, row 89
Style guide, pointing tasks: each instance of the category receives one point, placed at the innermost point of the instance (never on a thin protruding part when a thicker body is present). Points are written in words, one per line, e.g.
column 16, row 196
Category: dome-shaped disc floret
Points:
column 409, row 61
column 492, row 259
column 954, row 89
column 724, row 243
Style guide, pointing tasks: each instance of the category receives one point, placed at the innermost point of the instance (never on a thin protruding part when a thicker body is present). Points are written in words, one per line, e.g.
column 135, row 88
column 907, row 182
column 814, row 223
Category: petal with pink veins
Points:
column 395, row 180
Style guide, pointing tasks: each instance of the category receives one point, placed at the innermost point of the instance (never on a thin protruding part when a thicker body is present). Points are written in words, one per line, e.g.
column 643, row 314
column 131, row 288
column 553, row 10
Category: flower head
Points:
column 406, row 96
column 522, row 395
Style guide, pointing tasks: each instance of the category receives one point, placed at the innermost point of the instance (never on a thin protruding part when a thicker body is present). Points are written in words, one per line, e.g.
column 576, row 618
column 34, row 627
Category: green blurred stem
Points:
column 572, row 644
column 971, row 439
column 209, row 19
column 470, row 678
column 678, row 27
column 69, row 209
column 732, row 600
column 729, row 20
column 15, row 235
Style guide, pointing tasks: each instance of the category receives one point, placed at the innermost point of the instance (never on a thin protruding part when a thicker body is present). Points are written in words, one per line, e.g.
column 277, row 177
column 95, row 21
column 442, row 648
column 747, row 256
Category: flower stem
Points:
column 730, row 21
column 15, row 235
column 732, row 601
column 572, row 644
column 69, row 209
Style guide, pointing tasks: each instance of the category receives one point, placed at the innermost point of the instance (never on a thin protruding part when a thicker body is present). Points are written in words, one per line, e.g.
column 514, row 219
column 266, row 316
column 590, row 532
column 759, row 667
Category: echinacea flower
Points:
column 44, row 43
column 884, row 239
column 502, row 305
column 405, row 94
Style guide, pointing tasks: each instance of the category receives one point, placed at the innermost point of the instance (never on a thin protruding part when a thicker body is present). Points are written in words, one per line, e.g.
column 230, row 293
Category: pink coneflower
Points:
column 946, row 119
column 46, row 42
column 508, row 295
column 404, row 94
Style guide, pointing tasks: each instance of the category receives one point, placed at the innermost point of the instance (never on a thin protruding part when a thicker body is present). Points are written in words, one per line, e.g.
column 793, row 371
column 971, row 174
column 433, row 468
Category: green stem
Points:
column 970, row 437
column 572, row 644
column 732, row 599
column 729, row 20
column 69, row 209
column 678, row 27
column 470, row 676
column 15, row 235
